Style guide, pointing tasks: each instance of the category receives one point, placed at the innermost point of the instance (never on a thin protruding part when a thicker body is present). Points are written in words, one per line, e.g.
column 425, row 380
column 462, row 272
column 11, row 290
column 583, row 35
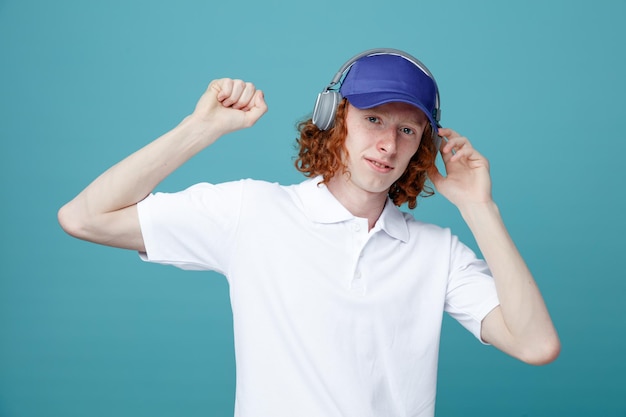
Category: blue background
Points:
column 86, row 330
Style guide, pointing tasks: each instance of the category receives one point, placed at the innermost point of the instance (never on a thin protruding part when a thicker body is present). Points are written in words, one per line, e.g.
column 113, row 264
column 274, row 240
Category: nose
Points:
column 387, row 142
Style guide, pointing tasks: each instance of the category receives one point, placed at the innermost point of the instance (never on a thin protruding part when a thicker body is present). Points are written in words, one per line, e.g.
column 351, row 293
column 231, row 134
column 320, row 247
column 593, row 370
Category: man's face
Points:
column 380, row 144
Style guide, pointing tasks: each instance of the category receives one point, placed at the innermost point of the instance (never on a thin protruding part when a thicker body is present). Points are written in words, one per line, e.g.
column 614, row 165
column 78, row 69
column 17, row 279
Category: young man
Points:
column 337, row 295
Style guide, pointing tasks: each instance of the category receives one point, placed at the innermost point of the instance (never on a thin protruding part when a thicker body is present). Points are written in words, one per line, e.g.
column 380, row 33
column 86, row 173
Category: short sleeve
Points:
column 471, row 292
column 192, row 229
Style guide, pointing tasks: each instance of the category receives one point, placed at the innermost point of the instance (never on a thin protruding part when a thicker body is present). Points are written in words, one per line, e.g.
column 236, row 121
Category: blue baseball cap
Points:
column 378, row 79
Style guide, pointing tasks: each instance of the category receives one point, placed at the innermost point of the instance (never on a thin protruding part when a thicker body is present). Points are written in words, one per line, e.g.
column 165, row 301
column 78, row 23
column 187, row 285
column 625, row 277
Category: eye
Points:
column 373, row 119
column 407, row 131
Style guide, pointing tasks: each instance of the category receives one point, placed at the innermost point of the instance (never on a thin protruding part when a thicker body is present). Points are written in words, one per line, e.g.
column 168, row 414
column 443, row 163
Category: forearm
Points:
column 524, row 313
column 130, row 180
column 90, row 215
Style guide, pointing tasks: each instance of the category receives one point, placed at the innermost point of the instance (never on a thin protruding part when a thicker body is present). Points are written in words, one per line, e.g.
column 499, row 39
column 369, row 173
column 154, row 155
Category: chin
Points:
column 377, row 189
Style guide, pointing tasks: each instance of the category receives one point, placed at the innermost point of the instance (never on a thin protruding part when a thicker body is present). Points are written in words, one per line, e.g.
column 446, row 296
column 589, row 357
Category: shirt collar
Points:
column 321, row 206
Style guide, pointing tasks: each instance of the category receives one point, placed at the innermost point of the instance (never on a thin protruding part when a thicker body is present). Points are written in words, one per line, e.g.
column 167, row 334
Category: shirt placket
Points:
column 358, row 230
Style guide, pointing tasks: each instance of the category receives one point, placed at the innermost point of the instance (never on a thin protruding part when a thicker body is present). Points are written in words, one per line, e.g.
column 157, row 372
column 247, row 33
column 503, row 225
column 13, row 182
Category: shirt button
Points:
column 357, row 275
column 356, row 227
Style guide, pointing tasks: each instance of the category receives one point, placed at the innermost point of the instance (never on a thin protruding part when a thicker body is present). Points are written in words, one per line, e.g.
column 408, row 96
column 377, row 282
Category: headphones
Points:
column 328, row 100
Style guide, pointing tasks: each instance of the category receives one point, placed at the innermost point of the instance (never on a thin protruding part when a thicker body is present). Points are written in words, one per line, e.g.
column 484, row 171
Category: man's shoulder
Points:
column 414, row 225
column 267, row 188
column 244, row 184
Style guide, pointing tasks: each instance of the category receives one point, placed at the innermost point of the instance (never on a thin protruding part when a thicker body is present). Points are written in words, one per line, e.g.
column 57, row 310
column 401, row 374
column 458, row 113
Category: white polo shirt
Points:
column 329, row 319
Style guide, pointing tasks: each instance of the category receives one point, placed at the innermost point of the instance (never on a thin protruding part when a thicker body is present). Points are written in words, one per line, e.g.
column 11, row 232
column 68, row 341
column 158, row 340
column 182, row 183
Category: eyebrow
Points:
column 418, row 117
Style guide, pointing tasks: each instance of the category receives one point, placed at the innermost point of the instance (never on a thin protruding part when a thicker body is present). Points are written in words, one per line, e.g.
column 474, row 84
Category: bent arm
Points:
column 105, row 211
column 521, row 326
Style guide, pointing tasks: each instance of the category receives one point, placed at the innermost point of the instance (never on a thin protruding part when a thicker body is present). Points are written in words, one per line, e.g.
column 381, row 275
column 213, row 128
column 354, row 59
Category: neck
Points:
column 360, row 203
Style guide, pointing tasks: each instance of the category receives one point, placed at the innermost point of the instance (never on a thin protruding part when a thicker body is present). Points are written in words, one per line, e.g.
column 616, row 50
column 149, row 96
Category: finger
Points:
column 456, row 146
column 245, row 99
column 446, row 149
column 447, row 132
column 232, row 91
column 459, row 146
column 257, row 108
column 223, row 88
column 241, row 96
column 257, row 101
column 458, row 141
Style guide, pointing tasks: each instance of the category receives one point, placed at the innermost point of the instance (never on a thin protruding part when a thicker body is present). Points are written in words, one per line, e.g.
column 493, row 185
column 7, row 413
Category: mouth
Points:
column 379, row 166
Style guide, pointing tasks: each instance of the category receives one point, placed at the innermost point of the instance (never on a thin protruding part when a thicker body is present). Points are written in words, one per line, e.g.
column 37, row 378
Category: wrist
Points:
column 478, row 213
column 199, row 133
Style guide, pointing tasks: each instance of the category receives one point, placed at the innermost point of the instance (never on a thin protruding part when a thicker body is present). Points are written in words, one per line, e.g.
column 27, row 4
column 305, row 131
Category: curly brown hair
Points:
column 321, row 153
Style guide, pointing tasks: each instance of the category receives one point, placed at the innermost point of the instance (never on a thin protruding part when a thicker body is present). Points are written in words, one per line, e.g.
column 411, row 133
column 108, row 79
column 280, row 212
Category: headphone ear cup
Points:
column 437, row 139
column 326, row 109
